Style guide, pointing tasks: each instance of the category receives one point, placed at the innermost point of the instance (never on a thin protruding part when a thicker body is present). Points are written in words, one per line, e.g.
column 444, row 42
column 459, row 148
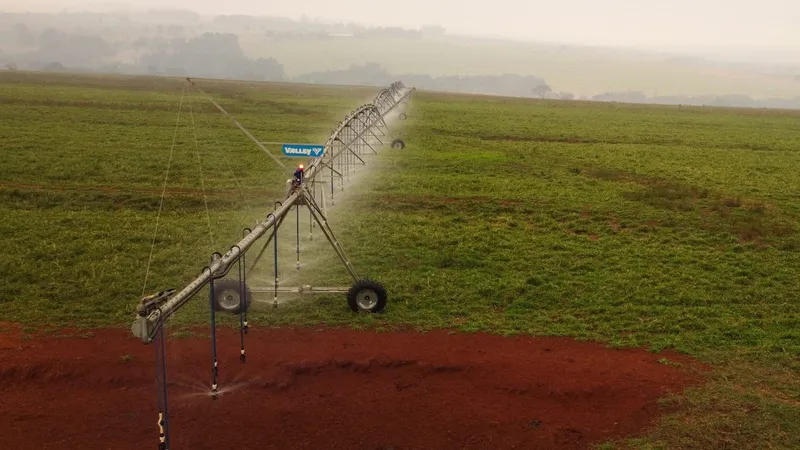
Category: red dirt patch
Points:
column 311, row 389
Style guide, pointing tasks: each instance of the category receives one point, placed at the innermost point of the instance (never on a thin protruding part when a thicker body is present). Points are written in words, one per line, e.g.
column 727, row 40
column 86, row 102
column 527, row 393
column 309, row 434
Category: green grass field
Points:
column 662, row 227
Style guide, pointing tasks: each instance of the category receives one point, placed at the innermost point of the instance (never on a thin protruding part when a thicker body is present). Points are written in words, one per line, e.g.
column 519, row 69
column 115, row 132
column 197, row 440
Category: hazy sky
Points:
column 673, row 23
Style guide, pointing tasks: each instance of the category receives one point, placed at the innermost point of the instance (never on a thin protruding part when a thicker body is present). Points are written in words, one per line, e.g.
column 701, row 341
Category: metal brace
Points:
column 152, row 301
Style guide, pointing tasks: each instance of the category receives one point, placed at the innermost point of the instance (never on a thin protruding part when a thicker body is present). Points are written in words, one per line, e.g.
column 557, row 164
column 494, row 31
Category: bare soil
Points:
column 329, row 388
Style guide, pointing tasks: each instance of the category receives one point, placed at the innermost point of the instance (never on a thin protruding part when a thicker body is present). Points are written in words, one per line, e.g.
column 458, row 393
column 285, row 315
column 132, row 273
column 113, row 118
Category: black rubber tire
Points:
column 220, row 286
column 364, row 285
column 402, row 116
column 398, row 143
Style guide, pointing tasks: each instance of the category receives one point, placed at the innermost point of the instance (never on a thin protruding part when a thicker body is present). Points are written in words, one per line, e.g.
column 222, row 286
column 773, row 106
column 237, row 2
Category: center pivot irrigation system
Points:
column 362, row 133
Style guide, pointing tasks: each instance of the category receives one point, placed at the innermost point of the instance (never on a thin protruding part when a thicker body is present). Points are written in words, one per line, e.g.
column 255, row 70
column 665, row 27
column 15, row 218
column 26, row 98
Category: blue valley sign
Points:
column 303, row 150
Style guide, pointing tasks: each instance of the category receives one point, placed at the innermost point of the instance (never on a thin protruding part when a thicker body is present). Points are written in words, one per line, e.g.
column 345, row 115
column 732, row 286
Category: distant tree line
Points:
column 372, row 74
column 734, row 100
column 211, row 55
column 219, row 55
column 282, row 28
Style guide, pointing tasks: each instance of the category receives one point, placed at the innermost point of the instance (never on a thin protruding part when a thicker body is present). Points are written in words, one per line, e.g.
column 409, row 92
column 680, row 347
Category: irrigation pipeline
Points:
column 369, row 118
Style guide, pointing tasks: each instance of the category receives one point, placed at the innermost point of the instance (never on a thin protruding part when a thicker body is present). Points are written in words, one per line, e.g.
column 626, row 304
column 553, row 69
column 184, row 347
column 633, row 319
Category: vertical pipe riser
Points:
column 275, row 246
column 214, row 368
column 161, row 387
column 242, row 306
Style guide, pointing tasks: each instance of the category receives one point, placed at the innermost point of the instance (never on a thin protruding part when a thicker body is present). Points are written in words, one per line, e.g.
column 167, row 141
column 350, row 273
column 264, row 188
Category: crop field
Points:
column 560, row 274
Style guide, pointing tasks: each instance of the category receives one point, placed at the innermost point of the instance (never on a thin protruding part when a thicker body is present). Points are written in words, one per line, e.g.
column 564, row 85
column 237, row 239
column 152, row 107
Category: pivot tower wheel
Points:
column 367, row 296
column 399, row 144
column 227, row 296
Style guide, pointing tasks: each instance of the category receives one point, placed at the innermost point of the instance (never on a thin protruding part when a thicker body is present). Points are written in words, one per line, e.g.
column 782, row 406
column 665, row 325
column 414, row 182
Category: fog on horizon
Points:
column 687, row 25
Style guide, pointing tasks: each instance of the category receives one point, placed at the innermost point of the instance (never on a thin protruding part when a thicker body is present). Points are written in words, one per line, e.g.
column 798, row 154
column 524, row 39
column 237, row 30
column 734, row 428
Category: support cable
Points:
column 236, row 122
column 200, row 165
column 163, row 191
column 227, row 160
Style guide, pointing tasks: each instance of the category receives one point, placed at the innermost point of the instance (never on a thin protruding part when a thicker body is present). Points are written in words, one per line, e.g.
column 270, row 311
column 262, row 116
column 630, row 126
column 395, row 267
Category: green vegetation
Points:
column 663, row 227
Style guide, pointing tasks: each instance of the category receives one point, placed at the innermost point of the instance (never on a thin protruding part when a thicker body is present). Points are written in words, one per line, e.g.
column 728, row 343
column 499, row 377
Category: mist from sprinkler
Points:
column 315, row 251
